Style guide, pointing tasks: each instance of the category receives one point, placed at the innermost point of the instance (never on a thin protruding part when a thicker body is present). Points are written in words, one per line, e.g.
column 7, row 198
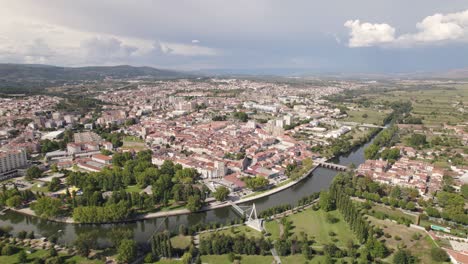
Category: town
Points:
column 182, row 146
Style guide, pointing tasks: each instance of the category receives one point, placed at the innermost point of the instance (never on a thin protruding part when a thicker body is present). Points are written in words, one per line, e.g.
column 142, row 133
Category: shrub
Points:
column 439, row 255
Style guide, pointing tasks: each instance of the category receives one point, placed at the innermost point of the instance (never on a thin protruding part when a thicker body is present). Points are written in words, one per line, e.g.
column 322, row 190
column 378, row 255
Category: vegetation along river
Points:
column 142, row 230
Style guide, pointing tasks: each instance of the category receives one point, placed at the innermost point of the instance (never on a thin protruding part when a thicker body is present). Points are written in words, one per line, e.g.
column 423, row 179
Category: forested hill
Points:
column 24, row 77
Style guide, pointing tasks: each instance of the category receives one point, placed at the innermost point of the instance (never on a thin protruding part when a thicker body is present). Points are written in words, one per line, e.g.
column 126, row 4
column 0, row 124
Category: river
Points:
column 143, row 229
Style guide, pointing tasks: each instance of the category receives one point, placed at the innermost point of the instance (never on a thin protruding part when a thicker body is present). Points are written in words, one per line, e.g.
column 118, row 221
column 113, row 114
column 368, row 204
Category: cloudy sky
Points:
column 317, row 36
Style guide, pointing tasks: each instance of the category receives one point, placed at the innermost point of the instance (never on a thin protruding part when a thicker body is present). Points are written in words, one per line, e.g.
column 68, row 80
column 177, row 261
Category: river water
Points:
column 143, row 229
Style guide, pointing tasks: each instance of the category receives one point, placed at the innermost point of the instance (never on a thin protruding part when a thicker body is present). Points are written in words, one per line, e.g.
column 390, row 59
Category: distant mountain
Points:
column 26, row 77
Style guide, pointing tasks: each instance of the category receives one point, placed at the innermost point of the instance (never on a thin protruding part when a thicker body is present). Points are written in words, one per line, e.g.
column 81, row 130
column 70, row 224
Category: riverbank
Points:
column 210, row 206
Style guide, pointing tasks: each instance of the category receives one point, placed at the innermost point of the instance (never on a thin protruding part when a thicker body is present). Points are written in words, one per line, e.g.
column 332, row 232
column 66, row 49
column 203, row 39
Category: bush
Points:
column 149, row 258
column 439, row 255
column 397, row 238
column 8, row 250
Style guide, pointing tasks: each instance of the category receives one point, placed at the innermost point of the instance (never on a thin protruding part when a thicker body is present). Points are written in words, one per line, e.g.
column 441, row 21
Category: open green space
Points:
column 314, row 224
column 366, row 116
column 234, row 231
column 245, row 259
column 41, row 253
column 133, row 188
column 168, row 261
column 43, row 189
column 316, row 259
column 182, row 242
column 293, row 259
column 133, row 139
column 436, row 105
column 273, row 229
column 393, row 213
column 401, row 236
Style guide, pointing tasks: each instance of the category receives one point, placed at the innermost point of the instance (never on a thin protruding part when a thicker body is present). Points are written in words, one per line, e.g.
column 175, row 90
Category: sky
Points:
column 242, row 35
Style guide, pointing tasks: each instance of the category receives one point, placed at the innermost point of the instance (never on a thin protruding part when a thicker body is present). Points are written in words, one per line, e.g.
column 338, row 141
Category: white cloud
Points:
column 367, row 34
column 25, row 40
column 432, row 29
column 195, row 41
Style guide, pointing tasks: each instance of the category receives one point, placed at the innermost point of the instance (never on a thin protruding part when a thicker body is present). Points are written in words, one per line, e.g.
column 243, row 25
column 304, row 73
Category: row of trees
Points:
column 14, row 197
column 256, row 183
column 218, row 244
column 386, row 138
column 102, row 214
column 161, row 245
column 349, row 210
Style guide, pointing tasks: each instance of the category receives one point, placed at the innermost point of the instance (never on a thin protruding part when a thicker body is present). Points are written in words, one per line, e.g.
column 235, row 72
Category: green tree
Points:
column 256, row 183
column 221, row 193
column 33, row 173
column 8, row 250
column 54, row 185
column 326, row 201
column 47, row 207
column 372, row 151
column 403, row 257
column 14, row 201
column 126, row 251
column 439, row 255
column 22, row 257
column 194, row 203
column 52, row 252
column 417, row 140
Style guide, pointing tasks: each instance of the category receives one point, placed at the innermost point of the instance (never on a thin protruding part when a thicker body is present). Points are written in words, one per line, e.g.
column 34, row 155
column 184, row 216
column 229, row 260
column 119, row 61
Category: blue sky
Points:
column 244, row 35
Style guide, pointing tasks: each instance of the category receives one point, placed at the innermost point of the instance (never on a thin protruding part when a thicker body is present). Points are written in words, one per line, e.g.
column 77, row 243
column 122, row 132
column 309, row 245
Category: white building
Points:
column 11, row 161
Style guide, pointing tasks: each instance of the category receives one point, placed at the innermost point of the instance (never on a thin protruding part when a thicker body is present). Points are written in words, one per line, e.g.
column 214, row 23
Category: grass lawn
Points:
column 272, row 227
column 245, row 259
column 168, row 261
column 418, row 247
column 44, row 253
column 182, row 242
column 299, row 258
column 314, row 224
column 393, row 213
column 133, row 188
column 132, row 139
column 35, row 188
column 172, row 206
column 373, row 116
column 247, row 231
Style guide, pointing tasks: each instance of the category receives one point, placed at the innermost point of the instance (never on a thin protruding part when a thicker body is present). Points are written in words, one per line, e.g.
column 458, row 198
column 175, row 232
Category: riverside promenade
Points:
column 212, row 204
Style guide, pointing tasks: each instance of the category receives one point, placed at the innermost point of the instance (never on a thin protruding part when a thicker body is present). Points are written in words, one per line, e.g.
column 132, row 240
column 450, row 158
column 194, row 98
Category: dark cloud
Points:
column 232, row 34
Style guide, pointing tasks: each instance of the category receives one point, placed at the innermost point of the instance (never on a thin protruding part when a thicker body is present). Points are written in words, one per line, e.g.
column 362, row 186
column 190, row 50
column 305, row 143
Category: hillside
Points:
column 19, row 78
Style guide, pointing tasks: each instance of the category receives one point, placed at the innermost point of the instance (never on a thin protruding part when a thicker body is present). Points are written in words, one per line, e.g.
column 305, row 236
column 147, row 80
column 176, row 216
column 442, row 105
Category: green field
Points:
column 374, row 116
column 131, row 142
column 133, row 139
column 436, row 105
column 182, row 242
column 43, row 254
column 273, row 228
column 394, row 213
column 245, row 259
column 238, row 230
column 314, row 224
column 403, row 236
